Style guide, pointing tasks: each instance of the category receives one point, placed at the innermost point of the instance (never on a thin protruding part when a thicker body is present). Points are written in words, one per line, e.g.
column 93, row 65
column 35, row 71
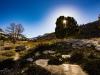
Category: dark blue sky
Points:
column 36, row 16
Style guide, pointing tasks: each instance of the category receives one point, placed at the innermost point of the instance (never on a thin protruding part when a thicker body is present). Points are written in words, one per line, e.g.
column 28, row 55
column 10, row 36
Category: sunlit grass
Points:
column 6, row 54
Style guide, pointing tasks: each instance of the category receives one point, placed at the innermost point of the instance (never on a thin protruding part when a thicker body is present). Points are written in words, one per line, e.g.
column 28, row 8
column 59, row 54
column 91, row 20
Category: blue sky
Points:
column 38, row 16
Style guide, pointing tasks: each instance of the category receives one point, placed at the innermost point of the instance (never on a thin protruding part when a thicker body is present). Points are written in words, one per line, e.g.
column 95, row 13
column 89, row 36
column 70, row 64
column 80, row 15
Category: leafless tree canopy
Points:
column 15, row 30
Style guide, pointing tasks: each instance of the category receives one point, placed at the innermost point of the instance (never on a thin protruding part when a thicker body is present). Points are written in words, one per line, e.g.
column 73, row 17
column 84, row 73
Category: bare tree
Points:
column 19, row 30
column 15, row 30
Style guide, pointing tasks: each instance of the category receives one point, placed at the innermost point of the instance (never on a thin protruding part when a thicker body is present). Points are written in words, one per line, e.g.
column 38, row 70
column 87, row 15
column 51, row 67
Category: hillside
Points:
column 89, row 30
column 45, row 37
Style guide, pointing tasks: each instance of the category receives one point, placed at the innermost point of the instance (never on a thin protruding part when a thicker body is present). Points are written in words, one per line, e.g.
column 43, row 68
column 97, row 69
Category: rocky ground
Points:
column 60, row 51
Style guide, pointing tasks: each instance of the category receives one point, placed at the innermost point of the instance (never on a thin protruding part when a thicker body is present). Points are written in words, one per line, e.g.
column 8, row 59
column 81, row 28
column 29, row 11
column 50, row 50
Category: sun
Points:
column 64, row 21
column 64, row 11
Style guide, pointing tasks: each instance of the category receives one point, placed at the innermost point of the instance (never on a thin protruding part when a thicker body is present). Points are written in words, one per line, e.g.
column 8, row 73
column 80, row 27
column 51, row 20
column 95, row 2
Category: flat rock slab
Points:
column 42, row 62
column 73, row 70
column 63, row 69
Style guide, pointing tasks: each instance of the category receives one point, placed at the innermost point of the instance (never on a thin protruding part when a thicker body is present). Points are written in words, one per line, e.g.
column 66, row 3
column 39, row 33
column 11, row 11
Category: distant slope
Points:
column 48, row 36
column 89, row 30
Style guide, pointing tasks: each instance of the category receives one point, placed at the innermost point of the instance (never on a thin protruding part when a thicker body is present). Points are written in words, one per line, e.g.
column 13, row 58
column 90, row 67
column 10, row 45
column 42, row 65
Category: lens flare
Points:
column 64, row 21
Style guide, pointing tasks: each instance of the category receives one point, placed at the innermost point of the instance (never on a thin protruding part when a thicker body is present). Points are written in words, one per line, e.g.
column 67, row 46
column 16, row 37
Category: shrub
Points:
column 8, row 54
column 8, row 63
column 93, row 67
column 23, row 63
column 8, row 48
column 92, row 56
column 42, row 47
column 20, row 48
column 55, row 61
column 36, row 70
column 76, row 57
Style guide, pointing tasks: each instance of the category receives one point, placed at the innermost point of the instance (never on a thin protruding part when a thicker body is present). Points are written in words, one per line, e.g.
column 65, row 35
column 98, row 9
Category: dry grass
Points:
column 6, row 54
